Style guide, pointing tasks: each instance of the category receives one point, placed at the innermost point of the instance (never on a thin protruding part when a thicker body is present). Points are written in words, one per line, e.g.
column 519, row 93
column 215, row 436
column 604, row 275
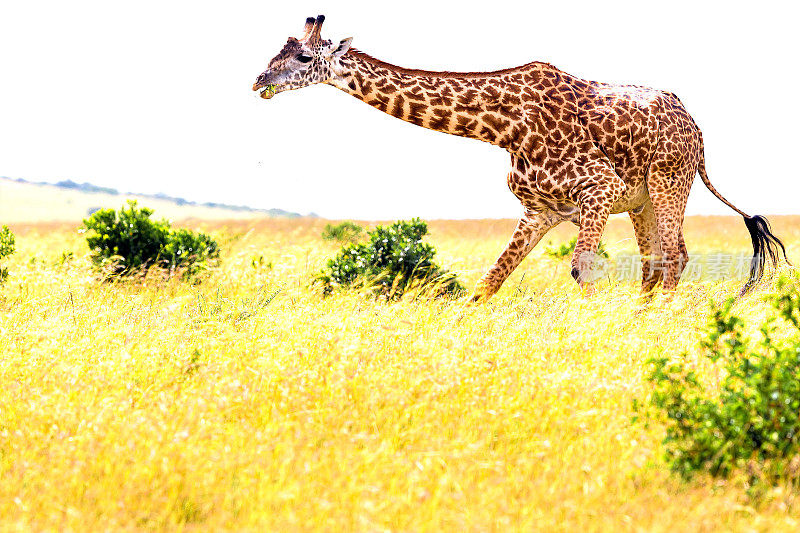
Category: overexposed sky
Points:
column 154, row 96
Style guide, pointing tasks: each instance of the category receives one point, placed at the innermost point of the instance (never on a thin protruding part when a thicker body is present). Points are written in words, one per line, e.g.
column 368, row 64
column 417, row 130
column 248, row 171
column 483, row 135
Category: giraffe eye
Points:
column 303, row 58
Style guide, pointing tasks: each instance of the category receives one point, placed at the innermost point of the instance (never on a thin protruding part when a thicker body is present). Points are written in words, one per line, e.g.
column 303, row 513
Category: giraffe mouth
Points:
column 267, row 91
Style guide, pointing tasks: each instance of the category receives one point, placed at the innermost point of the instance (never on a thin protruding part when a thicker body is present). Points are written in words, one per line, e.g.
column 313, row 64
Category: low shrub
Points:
column 190, row 251
column 750, row 421
column 7, row 247
column 566, row 250
column 343, row 232
column 128, row 241
column 391, row 261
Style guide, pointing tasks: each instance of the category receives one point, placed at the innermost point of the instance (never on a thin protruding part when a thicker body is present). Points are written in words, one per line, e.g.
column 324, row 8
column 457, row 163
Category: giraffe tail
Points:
column 765, row 243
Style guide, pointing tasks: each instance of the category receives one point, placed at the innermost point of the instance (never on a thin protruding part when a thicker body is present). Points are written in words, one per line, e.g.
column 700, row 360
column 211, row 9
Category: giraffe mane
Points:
column 446, row 74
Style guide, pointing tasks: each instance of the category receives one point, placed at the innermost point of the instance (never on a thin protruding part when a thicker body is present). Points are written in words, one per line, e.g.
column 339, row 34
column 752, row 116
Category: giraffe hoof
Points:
column 588, row 290
column 474, row 299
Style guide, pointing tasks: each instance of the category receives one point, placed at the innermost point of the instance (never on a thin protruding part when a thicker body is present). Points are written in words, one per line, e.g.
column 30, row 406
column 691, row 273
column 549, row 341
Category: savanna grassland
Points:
column 250, row 402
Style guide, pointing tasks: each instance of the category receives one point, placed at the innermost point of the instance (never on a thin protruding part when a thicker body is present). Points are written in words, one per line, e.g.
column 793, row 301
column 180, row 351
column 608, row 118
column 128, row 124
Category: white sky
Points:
column 154, row 96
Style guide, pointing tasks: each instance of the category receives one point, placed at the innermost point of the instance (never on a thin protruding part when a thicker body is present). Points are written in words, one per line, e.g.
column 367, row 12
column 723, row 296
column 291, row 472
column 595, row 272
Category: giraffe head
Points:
column 302, row 62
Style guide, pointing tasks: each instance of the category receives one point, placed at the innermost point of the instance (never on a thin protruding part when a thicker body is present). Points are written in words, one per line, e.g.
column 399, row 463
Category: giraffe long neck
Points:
column 485, row 106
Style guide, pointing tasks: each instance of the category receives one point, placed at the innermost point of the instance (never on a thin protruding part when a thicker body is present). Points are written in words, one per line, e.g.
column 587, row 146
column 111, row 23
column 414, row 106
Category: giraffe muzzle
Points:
column 268, row 91
column 264, row 87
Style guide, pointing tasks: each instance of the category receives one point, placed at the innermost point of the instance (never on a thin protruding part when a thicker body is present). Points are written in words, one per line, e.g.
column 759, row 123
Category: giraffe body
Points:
column 580, row 150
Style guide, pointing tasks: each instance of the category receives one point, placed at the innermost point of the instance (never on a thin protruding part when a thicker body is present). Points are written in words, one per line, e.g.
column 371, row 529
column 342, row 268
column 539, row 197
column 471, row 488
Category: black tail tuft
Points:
column 765, row 244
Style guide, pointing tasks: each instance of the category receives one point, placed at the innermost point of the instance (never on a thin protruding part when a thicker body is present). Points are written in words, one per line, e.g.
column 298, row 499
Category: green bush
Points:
column 393, row 259
column 129, row 240
column 343, row 232
column 751, row 422
column 7, row 247
column 565, row 250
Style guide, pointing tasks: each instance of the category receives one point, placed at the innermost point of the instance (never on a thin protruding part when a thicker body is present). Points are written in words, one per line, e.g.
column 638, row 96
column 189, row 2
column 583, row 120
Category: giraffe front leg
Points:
column 595, row 206
column 529, row 231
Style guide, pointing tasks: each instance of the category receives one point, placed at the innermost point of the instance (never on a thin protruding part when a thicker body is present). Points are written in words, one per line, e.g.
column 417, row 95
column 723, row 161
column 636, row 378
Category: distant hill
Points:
column 27, row 201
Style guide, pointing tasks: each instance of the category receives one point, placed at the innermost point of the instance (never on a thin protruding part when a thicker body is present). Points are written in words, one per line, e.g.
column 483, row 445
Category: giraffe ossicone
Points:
column 580, row 150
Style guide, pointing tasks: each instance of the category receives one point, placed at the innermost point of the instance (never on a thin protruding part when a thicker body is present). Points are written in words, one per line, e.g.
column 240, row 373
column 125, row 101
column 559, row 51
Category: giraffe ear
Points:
column 344, row 46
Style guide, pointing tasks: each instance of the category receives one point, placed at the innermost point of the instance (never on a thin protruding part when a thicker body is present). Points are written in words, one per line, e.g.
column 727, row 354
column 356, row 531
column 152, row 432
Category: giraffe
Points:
column 580, row 150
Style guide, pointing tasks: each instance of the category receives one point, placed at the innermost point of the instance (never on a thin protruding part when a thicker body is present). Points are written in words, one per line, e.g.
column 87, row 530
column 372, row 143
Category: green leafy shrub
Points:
column 194, row 252
column 751, row 422
column 566, row 250
column 129, row 240
column 342, row 232
column 7, row 247
column 393, row 259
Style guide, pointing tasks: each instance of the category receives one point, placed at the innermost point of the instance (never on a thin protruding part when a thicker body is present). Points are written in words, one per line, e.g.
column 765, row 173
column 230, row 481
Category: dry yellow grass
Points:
column 160, row 405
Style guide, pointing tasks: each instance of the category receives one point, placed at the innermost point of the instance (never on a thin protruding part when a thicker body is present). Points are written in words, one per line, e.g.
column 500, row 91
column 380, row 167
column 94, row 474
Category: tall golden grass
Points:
column 249, row 402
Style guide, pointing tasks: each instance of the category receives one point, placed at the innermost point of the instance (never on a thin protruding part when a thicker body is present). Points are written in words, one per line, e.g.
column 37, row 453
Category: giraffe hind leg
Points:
column 646, row 229
column 672, row 169
column 669, row 204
